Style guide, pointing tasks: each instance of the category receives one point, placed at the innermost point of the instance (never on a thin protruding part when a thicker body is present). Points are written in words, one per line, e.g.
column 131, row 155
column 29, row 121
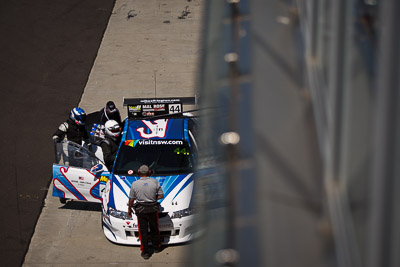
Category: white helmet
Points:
column 112, row 128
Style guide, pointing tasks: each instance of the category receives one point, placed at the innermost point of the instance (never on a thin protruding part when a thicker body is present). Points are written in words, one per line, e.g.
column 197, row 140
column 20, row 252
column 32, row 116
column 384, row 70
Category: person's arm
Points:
column 107, row 155
column 86, row 138
column 160, row 193
column 130, row 206
column 132, row 197
column 61, row 131
column 118, row 118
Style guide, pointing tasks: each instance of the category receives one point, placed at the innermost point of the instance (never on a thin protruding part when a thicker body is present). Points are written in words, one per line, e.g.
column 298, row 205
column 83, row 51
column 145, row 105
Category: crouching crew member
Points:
column 146, row 191
column 73, row 128
column 111, row 142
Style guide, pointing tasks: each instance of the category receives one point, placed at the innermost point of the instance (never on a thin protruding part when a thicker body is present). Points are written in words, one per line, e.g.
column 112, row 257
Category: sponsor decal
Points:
column 157, row 129
column 80, row 182
column 149, row 101
column 154, row 107
column 148, row 108
column 137, row 108
column 131, row 143
column 159, row 107
column 147, row 114
column 159, row 142
column 133, row 226
column 104, row 179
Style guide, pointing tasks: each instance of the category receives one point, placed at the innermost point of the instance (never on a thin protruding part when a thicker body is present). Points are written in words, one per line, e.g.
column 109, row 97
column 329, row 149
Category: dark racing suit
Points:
column 74, row 132
column 101, row 117
column 104, row 117
column 110, row 148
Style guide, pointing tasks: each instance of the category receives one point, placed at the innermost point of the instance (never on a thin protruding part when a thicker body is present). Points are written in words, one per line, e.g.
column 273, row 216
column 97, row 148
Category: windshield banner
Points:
column 142, row 142
column 155, row 129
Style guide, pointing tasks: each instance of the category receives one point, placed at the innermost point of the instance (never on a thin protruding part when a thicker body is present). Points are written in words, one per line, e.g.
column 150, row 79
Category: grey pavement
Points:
column 147, row 51
column 150, row 48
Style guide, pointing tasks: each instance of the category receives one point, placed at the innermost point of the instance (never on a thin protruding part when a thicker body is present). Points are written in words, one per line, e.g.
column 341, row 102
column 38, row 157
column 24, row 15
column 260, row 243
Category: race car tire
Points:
column 63, row 200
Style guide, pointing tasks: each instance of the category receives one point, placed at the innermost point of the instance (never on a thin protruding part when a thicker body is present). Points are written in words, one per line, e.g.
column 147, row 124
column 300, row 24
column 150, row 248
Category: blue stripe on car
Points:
column 109, row 229
column 171, row 182
column 183, row 186
column 185, row 130
column 168, row 183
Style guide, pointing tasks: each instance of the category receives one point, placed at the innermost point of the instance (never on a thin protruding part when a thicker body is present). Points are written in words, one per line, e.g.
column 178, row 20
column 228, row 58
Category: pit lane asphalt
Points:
column 47, row 49
column 150, row 48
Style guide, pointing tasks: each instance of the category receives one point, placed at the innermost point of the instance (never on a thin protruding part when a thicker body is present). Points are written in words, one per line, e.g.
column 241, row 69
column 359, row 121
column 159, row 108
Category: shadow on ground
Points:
column 80, row 205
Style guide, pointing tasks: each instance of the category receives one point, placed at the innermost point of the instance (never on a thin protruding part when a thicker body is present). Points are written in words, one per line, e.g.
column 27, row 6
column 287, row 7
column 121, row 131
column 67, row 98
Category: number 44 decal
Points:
column 175, row 108
column 181, row 151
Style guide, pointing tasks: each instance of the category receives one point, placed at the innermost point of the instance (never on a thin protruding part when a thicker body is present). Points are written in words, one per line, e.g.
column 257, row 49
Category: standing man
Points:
column 146, row 191
column 108, row 112
column 99, row 118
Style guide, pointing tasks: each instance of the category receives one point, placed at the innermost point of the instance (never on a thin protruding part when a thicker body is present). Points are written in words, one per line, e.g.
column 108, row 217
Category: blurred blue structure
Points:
column 297, row 159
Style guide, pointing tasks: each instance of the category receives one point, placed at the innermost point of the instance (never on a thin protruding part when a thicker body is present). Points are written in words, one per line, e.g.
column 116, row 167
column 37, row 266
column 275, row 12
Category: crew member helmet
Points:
column 112, row 128
column 78, row 115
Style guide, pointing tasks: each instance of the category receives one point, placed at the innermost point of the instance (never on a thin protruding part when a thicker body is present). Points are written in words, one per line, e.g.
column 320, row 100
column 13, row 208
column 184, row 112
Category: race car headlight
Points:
column 119, row 214
column 182, row 213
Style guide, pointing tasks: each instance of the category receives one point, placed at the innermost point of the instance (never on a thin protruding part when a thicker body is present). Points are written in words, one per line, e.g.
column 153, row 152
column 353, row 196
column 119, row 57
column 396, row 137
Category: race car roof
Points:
column 172, row 128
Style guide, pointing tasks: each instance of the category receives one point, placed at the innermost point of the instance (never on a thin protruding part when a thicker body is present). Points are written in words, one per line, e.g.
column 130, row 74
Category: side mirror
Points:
column 97, row 168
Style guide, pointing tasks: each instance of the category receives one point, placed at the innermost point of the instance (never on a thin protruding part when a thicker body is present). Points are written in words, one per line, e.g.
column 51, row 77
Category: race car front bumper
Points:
column 125, row 230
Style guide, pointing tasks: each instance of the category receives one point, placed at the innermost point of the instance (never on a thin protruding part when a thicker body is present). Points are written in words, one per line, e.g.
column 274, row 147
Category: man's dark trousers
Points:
column 148, row 221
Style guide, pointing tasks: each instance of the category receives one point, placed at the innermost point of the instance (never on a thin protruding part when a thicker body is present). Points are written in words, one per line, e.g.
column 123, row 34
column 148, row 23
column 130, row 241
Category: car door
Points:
column 77, row 173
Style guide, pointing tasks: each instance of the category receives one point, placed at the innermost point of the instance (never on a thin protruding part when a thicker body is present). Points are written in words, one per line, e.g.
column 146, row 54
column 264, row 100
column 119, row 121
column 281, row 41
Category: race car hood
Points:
column 177, row 191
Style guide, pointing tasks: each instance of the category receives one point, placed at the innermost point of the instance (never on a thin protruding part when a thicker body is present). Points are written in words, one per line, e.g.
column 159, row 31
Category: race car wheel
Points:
column 63, row 200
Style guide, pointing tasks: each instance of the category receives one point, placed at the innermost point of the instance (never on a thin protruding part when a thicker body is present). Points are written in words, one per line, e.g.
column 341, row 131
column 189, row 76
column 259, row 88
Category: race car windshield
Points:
column 164, row 157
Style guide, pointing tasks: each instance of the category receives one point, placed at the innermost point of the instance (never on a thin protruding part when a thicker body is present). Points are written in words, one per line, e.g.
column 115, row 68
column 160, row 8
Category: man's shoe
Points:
column 145, row 256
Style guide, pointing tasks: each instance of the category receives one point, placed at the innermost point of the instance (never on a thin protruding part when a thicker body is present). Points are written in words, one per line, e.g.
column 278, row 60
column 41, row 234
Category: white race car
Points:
column 166, row 144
